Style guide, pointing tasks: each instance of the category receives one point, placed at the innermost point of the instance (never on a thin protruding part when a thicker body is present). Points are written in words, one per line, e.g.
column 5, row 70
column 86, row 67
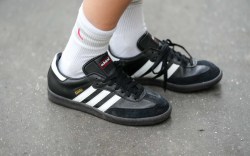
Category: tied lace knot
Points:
column 124, row 82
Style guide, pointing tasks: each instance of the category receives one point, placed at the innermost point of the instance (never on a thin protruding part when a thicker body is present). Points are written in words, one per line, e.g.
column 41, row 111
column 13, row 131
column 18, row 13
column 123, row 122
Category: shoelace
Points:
column 182, row 58
column 124, row 82
column 167, row 53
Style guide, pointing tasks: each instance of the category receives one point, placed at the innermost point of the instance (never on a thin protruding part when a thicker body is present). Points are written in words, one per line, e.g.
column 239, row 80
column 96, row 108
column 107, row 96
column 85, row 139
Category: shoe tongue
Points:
column 101, row 65
column 148, row 41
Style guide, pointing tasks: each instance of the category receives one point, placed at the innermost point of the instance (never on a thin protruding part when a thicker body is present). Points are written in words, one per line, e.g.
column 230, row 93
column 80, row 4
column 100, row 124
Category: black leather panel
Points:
column 65, row 88
column 152, row 105
column 148, row 41
column 132, row 65
column 190, row 71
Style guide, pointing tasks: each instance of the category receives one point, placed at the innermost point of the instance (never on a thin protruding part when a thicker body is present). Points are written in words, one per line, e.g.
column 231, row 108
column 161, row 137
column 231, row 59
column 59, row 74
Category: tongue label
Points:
column 105, row 62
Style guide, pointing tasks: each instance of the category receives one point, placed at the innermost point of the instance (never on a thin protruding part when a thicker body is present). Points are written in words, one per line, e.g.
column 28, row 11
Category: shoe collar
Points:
column 101, row 65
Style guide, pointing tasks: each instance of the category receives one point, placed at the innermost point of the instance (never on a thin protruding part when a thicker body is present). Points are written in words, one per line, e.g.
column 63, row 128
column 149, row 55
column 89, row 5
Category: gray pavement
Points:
column 214, row 122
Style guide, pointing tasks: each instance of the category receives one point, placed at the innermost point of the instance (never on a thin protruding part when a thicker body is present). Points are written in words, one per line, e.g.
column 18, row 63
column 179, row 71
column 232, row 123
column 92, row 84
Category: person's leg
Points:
column 130, row 28
column 108, row 14
column 91, row 34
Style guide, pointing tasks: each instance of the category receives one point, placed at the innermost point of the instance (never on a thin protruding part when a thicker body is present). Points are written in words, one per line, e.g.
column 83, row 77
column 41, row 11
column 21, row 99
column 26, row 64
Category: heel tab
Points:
column 54, row 67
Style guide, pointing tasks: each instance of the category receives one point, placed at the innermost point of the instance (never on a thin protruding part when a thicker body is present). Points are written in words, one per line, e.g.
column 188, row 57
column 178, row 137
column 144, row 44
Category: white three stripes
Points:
column 149, row 64
column 97, row 98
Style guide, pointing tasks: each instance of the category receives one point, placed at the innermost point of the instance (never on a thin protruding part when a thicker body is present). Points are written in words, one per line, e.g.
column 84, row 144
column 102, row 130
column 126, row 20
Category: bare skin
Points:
column 104, row 14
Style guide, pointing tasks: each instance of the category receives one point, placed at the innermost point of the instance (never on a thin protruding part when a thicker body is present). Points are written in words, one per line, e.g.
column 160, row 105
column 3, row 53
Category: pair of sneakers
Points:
column 110, row 89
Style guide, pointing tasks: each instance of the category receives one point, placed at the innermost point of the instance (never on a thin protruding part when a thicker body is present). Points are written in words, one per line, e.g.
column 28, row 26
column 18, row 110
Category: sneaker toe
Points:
column 204, row 71
column 212, row 72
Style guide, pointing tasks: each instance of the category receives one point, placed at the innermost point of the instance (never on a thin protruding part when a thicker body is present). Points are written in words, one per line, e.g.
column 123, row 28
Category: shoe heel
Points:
column 52, row 97
column 61, row 100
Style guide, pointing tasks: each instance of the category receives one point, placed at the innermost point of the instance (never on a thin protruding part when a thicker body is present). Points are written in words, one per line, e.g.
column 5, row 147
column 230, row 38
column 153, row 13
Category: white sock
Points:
column 86, row 42
column 130, row 28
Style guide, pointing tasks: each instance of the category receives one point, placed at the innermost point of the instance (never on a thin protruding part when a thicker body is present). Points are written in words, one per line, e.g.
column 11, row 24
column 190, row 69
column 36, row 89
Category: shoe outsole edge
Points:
column 59, row 100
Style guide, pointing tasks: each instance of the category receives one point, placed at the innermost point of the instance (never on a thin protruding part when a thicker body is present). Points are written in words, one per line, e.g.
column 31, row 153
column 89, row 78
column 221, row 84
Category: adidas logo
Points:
column 105, row 62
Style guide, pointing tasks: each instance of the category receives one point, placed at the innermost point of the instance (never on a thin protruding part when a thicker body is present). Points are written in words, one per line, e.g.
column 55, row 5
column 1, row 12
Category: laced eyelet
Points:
column 121, row 83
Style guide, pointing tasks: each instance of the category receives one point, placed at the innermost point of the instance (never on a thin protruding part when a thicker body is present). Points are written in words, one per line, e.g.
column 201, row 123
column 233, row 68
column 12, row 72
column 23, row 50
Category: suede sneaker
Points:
column 108, row 93
column 161, row 65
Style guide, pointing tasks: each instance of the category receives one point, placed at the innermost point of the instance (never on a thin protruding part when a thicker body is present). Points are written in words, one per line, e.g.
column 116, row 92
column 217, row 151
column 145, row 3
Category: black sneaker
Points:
column 159, row 64
column 108, row 93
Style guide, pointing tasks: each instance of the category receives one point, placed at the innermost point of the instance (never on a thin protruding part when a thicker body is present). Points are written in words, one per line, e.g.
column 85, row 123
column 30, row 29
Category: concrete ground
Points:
column 214, row 122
